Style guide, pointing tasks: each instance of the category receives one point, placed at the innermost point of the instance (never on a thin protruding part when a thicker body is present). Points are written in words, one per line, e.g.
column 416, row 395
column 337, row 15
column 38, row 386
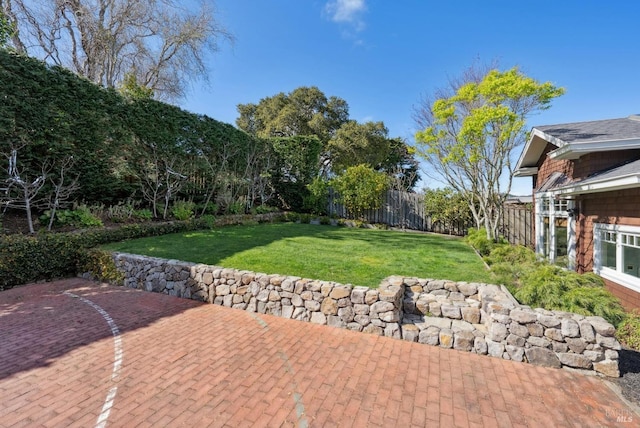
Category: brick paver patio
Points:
column 100, row 355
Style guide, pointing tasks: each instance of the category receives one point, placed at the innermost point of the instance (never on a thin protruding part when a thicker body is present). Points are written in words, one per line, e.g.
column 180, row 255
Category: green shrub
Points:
column 210, row 208
column 263, row 209
column 100, row 265
column 236, row 207
column 305, row 218
column 85, row 218
column 509, row 263
column 206, row 221
column 325, row 220
column 80, row 217
column 143, row 214
column 183, row 210
column 550, row 287
column 628, row 332
column 360, row 188
column 26, row 259
column 477, row 238
column 317, row 199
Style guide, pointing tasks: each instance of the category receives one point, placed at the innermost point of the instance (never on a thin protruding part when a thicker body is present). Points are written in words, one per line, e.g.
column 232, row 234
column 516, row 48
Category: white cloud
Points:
column 347, row 11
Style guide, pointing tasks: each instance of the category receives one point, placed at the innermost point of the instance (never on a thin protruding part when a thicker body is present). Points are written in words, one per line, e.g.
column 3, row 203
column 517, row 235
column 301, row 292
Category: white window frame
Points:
column 550, row 200
column 616, row 275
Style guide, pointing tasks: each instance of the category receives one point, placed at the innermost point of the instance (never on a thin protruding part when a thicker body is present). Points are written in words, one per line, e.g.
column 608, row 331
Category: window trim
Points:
column 550, row 201
column 615, row 275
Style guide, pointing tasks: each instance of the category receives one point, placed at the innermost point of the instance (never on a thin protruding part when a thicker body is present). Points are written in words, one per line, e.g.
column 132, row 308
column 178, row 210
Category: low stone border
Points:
column 474, row 317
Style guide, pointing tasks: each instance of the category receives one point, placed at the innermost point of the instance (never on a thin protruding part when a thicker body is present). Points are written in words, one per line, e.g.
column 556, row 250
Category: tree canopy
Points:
column 470, row 131
column 163, row 43
column 307, row 111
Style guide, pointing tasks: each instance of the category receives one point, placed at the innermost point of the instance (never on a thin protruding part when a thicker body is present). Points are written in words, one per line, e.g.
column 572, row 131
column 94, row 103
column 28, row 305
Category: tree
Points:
column 162, row 42
column 20, row 191
column 447, row 206
column 304, row 111
column 359, row 143
column 369, row 143
column 470, row 133
column 360, row 188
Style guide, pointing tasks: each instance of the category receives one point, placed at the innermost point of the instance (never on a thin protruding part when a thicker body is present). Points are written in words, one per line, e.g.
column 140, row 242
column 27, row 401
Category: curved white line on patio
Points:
column 117, row 363
column 288, row 368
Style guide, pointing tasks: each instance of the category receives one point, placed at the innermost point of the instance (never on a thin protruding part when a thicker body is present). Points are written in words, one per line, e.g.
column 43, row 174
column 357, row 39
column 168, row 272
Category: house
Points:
column 586, row 190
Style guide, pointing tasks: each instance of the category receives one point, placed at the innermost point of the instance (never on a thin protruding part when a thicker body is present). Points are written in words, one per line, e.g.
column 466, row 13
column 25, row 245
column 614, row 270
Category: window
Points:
column 554, row 238
column 616, row 254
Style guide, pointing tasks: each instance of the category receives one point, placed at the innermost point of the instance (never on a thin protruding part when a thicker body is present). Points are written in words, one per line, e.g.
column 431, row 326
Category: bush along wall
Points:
column 26, row 259
column 480, row 318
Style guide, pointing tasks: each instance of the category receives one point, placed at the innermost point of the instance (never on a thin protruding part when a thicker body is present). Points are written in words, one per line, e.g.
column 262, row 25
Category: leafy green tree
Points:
column 447, row 206
column 295, row 166
column 360, row 188
column 470, row 133
column 344, row 143
column 368, row 143
column 318, row 197
column 359, row 143
column 304, row 111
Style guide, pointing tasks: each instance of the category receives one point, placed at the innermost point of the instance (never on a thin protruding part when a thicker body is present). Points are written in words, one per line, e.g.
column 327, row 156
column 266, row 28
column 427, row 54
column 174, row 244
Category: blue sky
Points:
column 381, row 56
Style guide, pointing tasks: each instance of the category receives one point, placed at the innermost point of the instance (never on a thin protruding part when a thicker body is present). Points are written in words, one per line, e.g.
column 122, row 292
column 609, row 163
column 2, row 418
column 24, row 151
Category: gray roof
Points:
column 613, row 173
column 598, row 130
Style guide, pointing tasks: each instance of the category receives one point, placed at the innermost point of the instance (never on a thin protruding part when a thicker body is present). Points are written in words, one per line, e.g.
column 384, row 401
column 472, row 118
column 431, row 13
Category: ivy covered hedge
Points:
column 25, row 259
column 120, row 147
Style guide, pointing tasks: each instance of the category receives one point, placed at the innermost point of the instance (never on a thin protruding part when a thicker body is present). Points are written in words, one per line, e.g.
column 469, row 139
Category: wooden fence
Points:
column 517, row 224
column 407, row 210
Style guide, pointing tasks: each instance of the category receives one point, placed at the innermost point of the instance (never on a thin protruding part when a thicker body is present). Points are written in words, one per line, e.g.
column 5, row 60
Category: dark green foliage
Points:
column 80, row 217
column 100, row 265
column 447, row 206
column 510, row 262
column 538, row 283
column 143, row 214
column 628, row 332
column 183, row 210
column 296, row 164
column 49, row 113
column 554, row 288
column 26, row 259
column 317, row 198
column 121, row 145
column 209, row 208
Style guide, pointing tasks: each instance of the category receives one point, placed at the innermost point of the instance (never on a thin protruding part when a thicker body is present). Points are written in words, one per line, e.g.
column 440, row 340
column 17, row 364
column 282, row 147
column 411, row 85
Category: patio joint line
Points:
column 117, row 363
column 288, row 368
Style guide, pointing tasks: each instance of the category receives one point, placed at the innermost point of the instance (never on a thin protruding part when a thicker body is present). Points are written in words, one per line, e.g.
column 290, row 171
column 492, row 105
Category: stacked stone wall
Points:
column 480, row 318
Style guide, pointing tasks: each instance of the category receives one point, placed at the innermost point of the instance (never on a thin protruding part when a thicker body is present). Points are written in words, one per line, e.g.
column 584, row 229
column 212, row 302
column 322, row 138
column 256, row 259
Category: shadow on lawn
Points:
column 206, row 247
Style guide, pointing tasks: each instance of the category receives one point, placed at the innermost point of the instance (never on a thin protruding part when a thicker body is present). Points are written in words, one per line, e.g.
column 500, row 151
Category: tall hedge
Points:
column 50, row 113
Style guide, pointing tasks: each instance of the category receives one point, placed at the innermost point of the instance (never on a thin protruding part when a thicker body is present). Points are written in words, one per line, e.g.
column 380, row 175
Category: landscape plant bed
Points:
column 345, row 255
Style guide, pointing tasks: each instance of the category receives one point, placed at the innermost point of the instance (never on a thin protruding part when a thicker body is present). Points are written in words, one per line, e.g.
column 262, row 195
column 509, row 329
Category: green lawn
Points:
column 345, row 255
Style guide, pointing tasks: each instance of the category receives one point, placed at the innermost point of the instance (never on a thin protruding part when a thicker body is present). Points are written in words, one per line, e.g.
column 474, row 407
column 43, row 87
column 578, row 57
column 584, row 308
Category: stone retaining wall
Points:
column 480, row 318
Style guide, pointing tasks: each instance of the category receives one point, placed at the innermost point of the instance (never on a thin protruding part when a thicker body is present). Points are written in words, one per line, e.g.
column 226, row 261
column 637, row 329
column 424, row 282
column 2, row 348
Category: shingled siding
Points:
column 480, row 318
column 619, row 207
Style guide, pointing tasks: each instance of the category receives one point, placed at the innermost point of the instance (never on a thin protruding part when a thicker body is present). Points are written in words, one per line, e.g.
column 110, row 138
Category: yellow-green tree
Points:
column 469, row 134
column 360, row 188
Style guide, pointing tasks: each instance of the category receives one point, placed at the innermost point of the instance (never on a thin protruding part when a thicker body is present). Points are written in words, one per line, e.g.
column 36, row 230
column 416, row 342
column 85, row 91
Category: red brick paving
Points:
column 192, row 364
